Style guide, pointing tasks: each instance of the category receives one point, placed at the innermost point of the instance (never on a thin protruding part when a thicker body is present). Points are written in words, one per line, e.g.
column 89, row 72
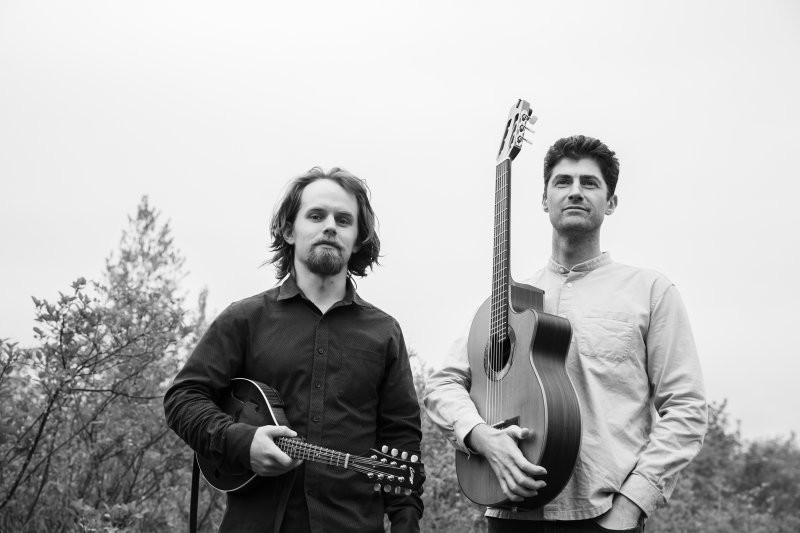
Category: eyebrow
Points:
column 581, row 176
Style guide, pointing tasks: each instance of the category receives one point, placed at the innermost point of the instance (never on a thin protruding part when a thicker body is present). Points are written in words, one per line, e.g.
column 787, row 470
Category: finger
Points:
column 280, row 431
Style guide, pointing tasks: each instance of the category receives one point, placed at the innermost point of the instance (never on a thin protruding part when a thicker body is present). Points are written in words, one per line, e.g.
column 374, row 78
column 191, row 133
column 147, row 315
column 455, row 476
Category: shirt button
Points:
column 316, row 419
column 569, row 284
column 320, row 350
column 317, row 385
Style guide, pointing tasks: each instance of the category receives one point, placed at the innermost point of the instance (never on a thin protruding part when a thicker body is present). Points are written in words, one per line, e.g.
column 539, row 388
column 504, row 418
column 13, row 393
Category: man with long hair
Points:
column 632, row 361
column 339, row 364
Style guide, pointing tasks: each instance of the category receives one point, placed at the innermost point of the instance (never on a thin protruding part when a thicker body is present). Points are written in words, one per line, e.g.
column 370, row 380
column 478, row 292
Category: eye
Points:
column 315, row 217
column 344, row 221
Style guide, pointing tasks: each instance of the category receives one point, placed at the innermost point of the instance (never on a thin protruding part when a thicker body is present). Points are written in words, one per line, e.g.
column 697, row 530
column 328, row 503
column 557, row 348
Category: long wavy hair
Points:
column 286, row 213
column 580, row 146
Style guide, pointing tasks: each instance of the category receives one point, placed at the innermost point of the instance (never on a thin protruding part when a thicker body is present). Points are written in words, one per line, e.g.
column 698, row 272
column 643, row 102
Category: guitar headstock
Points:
column 519, row 118
column 393, row 470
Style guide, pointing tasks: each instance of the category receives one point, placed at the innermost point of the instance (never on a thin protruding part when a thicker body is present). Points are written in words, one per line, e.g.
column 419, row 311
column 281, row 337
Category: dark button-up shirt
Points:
column 346, row 381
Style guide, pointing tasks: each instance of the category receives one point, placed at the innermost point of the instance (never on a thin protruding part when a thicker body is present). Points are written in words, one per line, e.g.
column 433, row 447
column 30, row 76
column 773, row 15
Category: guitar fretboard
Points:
column 500, row 274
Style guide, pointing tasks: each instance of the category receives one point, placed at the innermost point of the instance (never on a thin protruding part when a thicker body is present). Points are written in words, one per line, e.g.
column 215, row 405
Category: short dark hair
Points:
column 286, row 212
column 580, row 146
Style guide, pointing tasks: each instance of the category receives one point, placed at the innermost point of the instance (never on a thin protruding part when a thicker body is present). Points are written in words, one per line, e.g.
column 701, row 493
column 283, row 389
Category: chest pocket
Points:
column 605, row 334
column 359, row 376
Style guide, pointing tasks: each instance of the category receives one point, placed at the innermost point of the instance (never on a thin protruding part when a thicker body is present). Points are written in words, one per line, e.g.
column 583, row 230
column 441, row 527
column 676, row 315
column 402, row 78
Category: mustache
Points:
column 329, row 243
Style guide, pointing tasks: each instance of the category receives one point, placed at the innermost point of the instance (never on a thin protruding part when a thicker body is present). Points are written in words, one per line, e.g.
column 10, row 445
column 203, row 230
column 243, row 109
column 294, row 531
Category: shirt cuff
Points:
column 238, row 438
column 461, row 429
column 643, row 493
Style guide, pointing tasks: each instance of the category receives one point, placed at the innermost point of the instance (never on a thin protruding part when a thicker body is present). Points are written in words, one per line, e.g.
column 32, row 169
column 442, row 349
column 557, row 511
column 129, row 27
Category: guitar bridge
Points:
column 514, row 421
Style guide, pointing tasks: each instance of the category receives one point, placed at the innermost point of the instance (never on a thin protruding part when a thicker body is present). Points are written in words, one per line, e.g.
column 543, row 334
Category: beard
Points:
column 325, row 261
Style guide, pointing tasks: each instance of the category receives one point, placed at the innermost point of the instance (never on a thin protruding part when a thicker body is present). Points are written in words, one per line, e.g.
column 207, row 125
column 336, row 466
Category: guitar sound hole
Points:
column 498, row 353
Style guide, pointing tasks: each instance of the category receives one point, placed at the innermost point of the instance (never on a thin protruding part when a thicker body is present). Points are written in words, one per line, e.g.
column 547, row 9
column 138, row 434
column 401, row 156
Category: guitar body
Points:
column 532, row 390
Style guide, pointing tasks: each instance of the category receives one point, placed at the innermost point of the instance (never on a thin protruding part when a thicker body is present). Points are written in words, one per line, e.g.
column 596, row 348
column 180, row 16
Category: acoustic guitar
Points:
column 517, row 355
column 257, row 404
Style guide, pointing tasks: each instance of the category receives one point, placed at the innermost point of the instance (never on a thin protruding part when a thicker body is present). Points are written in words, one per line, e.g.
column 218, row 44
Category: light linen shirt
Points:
column 634, row 366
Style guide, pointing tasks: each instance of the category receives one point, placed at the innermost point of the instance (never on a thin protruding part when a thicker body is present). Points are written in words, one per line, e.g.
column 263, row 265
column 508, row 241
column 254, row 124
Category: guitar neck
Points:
column 502, row 239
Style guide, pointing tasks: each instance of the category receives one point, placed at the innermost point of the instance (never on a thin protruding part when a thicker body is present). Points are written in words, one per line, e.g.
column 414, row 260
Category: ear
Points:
column 544, row 202
column 611, row 205
column 288, row 234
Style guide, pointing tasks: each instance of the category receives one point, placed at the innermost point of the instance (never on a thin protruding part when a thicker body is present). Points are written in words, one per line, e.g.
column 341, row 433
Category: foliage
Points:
column 83, row 446
column 446, row 509
column 733, row 487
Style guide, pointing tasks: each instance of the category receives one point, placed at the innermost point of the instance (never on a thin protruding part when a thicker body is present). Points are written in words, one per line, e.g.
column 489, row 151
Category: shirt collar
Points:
column 587, row 266
column 289, row 289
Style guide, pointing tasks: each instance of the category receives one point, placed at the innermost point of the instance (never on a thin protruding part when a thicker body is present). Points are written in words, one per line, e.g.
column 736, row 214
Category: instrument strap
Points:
column 195, row 490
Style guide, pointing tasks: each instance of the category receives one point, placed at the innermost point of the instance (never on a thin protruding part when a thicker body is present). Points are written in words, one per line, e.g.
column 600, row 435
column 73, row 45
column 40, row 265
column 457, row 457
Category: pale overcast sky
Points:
column 210, row 108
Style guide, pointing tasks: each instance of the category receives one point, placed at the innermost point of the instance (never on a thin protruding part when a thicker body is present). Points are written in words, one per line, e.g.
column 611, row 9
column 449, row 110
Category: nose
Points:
column 330, row 225
column 575, row 191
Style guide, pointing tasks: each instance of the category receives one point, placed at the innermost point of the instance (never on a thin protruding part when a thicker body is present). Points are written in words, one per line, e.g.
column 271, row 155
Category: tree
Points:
column 105, row 351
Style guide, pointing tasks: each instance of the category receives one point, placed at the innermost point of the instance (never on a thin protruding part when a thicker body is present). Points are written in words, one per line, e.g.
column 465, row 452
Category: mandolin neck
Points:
column 300, row 449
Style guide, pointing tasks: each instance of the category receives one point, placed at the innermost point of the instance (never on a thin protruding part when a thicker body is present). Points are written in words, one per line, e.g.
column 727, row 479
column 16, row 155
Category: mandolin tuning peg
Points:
column 414, row 458
column 377, row 487
column 404, row 456
column 394, row 452
column 384, row 448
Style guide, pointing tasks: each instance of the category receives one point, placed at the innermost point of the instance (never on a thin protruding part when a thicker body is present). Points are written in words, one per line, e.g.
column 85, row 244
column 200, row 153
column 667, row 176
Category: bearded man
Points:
column 339, row 364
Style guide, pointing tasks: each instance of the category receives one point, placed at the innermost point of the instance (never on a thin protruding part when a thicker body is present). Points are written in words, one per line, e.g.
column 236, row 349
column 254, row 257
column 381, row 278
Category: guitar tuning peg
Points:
column 387, row 488
column 384, row 448
column 414, row 458
column 394, row 452
column 375, row 457
column 404, row 456
column 377, row 487
column 397, row 490
column 407, row 492
column 526, row 140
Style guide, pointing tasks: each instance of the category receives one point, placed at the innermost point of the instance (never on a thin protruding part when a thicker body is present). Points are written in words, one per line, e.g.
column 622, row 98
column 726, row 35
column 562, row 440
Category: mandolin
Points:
column 257, row 404
column 517, row 356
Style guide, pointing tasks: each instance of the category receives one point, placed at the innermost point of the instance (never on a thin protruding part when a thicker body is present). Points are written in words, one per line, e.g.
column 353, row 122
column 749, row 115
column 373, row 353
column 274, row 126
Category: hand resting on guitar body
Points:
column 513, row 471
column 266, row 459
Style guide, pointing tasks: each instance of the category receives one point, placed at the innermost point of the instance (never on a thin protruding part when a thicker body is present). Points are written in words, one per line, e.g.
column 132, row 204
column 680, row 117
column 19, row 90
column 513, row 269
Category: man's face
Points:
column 325, row 230
column 576, row 197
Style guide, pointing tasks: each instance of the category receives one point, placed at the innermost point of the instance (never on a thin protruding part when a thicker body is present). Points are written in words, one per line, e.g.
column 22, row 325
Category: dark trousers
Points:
column 501, row 525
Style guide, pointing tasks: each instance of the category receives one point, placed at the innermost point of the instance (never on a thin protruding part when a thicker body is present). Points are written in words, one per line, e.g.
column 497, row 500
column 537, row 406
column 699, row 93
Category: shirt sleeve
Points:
column 447, row 399
column 190, row 404
column 679, row 400
column 399, row 427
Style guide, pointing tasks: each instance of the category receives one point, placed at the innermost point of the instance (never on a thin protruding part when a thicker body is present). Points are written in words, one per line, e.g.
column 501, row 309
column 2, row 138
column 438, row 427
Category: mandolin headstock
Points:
column 519, row 118
column 392, row 470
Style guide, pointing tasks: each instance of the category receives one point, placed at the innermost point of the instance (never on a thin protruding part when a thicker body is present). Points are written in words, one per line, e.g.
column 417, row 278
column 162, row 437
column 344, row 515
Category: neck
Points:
column 572, row 249
column 323, row 291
